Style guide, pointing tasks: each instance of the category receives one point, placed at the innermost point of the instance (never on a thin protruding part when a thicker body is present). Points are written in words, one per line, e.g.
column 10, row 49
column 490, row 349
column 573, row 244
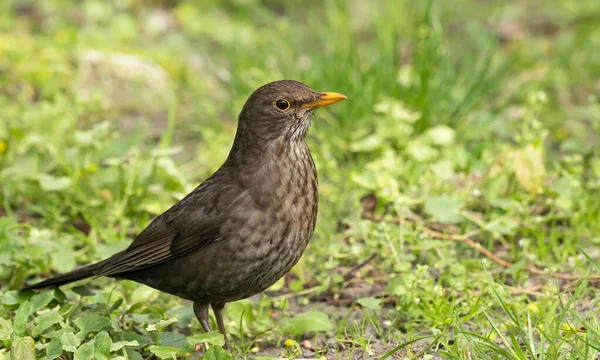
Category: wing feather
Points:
column 187, row 227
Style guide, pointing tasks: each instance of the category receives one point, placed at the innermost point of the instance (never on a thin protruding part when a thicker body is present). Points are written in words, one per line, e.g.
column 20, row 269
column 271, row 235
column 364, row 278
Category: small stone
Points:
column 123, row 81
column 306, row 344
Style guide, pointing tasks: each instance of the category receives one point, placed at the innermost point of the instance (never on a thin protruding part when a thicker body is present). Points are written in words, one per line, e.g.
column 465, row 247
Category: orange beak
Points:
column 325, row 98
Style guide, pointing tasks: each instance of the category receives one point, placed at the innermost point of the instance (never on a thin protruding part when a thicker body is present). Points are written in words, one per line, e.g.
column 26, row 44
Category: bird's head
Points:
column 281, row 111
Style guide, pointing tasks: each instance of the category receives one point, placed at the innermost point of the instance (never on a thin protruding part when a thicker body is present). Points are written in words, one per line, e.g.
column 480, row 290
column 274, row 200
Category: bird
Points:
column 245, row 226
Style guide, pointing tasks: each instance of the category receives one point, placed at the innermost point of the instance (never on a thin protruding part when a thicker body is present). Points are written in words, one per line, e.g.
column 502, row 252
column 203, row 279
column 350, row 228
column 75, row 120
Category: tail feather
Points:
column 77, row 274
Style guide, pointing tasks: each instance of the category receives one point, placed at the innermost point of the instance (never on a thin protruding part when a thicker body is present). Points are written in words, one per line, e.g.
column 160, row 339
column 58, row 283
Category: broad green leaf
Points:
column 85, row 352
column 63, row 259
column 161, row 325
column 503, row 226
column 397, row 110
column 212, row 338
column 217, row 353
column 243, row 311
column 133, row 355
column 54, row 183
column 53, row 349
column 21, row 318
column 174, row 339
column 39, row 301
column 396, row 286
column 445, row 209
column 44, row 321
column 23, row 349
column 308, row 322
column 82, row 290
column 142, row 340
column 142, row 294
column 366, row 144
column 441, row 135
column 91, row 323
column 116, row 346
column 69, row 341
column 84, row 137
column 164, row 352
column 102, row 344
column 5, row 329
column 14, row 297
column 503, row 203
column 529, row 168
column 370, row 303
column 168, row 165
column 184, row 315
column 421, row 151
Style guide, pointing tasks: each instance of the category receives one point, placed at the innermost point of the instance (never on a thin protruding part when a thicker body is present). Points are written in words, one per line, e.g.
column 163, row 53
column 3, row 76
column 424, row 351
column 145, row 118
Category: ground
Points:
column 459, row 183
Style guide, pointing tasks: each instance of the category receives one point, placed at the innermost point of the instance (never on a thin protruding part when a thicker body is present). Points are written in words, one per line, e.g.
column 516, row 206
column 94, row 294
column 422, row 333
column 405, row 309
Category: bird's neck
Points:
column 285, row 160
column 253, row 150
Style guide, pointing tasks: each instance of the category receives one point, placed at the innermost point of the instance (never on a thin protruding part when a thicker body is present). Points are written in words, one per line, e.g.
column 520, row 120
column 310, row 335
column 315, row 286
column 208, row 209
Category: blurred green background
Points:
column 479, row 119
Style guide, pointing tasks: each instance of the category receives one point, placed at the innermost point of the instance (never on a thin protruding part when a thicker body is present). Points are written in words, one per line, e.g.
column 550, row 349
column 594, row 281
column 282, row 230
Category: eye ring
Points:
column 282, row 104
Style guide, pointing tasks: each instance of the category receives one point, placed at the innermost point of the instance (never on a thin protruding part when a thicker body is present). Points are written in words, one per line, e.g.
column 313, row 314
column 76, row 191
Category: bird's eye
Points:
column 282, row 104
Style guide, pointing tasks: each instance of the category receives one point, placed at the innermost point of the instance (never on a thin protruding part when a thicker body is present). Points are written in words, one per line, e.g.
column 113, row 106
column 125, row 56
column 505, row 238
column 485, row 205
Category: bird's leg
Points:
column 217, row 308
column 201, row 311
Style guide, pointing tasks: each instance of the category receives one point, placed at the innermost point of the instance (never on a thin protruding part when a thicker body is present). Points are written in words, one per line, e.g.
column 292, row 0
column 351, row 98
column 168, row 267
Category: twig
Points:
column 533, row 290
column 468, row 241
column 348, row 274
column 307, row 291
column 348, row 301
column 23, row 216
column 471, row 243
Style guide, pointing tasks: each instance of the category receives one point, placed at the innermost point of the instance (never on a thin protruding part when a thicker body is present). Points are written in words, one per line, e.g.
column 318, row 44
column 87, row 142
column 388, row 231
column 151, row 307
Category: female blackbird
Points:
column 244, row 227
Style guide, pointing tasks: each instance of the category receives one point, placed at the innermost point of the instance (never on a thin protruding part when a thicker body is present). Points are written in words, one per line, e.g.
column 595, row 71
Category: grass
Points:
column 464, row 120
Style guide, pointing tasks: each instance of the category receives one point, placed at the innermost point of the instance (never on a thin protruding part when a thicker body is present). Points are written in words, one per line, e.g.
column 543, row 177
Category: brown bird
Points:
column 244, row 227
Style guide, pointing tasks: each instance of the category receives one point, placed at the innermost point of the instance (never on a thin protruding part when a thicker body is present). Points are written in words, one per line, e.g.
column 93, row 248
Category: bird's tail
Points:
column 77, row 274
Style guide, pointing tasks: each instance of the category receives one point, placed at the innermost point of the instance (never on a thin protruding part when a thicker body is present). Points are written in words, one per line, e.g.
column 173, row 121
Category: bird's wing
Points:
column 162, row 245
column 187, row 227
